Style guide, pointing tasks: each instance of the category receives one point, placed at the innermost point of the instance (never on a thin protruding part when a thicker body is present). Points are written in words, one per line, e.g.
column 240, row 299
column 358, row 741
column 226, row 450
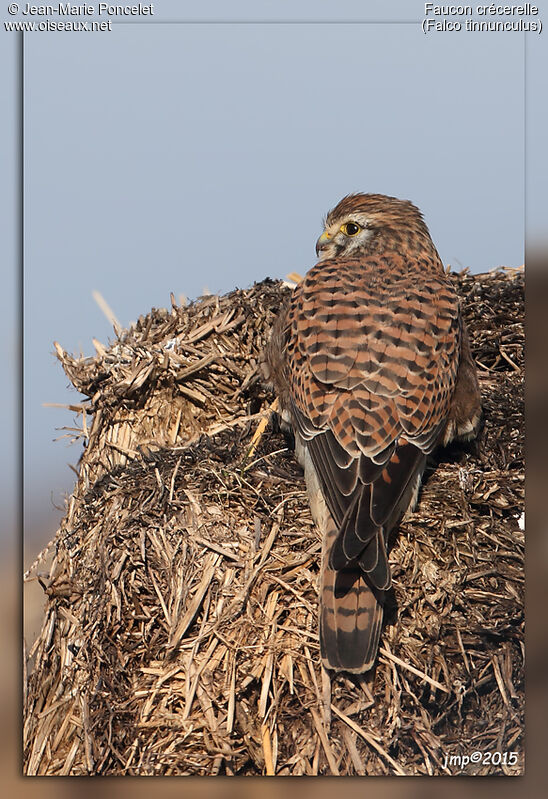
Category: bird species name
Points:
column 524, row 10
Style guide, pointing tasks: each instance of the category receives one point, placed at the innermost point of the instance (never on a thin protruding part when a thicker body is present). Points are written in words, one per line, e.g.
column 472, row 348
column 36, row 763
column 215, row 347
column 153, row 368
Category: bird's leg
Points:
column 272, row 408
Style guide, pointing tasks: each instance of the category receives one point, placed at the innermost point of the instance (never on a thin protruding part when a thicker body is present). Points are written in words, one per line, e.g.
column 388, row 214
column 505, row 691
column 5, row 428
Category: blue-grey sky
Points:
column 170, row 157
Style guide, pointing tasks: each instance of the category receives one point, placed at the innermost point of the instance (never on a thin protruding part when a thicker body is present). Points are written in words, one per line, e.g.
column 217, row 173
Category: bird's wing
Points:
column 372, row 355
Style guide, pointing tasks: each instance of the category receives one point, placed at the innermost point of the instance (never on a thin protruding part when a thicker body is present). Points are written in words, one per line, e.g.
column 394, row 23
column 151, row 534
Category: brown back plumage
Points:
column 371, row 362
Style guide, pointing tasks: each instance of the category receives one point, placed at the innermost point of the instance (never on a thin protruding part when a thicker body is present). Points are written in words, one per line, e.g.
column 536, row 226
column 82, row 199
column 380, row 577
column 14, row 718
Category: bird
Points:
column 370, row 360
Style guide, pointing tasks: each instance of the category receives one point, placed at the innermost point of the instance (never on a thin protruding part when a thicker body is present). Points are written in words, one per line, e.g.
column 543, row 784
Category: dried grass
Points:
column 180, row 631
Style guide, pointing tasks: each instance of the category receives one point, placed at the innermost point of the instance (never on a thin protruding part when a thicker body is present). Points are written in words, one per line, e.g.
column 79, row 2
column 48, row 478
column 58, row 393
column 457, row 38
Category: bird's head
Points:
column 361, row 221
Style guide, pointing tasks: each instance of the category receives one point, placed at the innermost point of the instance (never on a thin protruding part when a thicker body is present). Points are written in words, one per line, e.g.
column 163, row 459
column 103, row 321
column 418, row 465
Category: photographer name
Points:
column 85, row 9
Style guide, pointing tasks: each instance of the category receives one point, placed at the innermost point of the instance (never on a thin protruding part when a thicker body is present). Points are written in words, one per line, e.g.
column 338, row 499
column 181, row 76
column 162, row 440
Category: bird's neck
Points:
column 411, row 241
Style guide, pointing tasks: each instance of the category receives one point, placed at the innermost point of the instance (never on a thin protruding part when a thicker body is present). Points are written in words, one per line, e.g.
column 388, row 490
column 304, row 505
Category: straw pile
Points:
column 180, row 625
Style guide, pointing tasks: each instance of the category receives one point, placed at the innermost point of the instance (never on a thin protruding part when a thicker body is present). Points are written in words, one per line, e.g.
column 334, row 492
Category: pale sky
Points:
column 185, row 151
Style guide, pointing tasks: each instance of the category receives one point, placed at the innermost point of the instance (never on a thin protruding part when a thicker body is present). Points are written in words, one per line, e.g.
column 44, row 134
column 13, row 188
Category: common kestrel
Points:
column 371, row 363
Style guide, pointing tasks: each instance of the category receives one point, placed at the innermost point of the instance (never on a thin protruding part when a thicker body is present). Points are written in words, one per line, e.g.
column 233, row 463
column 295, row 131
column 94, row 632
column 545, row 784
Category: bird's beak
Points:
column 322, row 242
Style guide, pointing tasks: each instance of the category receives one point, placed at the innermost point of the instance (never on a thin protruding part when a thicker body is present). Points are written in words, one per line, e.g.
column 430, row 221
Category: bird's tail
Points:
column 350, row 615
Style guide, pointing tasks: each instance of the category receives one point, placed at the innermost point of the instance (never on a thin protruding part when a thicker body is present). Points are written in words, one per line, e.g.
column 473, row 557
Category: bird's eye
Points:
column 350, row 228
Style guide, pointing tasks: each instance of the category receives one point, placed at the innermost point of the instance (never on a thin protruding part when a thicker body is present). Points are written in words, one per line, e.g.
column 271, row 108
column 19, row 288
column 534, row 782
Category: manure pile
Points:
column 180, row 623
